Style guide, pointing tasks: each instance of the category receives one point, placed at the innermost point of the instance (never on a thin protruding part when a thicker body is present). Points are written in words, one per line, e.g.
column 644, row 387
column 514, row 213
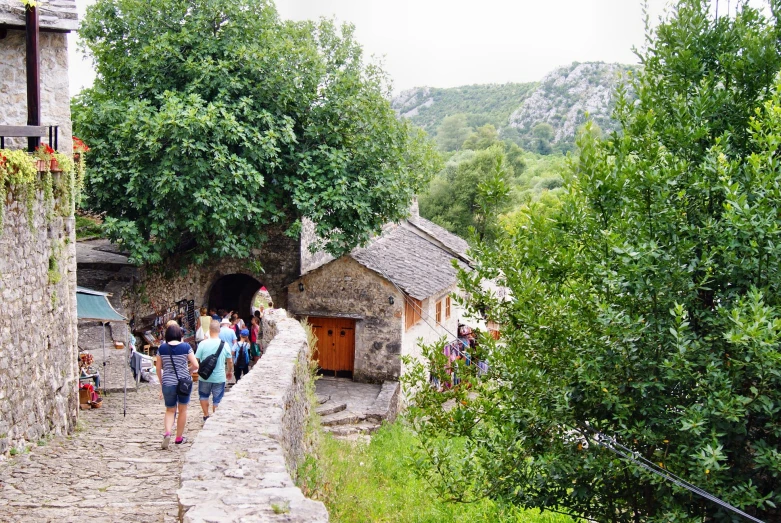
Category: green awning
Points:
column 94, row 305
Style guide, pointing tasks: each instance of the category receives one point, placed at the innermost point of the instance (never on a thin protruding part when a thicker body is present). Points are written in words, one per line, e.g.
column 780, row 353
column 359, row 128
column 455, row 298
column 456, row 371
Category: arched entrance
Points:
column 234, row 292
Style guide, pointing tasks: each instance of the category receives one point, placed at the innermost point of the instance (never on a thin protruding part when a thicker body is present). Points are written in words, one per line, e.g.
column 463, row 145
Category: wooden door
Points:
column 335, row 349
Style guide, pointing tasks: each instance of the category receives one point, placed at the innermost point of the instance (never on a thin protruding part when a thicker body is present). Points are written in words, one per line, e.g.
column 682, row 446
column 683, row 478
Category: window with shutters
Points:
column 412, row 311
column 439, row 311
column 447, row 308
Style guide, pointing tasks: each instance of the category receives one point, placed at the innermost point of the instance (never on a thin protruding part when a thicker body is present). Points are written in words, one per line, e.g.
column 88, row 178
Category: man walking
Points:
column 227, row 334
column 214, row 385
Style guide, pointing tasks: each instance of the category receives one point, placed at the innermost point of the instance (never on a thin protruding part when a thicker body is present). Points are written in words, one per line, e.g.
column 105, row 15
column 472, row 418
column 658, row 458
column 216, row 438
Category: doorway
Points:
column 234, row 292
column 335, row 349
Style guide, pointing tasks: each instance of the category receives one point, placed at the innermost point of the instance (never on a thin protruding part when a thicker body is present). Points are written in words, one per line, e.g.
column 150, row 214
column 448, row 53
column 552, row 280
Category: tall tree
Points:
column 212, row 120
column 452, row 132
column 645, row 311
column 470, row 193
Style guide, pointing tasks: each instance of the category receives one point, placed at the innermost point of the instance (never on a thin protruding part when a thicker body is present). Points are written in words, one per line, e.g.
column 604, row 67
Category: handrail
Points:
column 30, row 131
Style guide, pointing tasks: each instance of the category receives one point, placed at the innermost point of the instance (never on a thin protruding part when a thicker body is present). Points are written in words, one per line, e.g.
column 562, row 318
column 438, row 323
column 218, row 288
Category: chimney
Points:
column 413, row 208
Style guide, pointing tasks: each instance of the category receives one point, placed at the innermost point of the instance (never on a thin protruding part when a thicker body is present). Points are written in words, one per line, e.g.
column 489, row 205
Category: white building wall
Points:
column 427, row 331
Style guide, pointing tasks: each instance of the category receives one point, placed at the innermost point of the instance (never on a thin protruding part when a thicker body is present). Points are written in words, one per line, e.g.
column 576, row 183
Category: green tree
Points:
column 212, row 120
column 645, row 309
column 452, row 132
column 471, row 192
column 483, row 138
column 543, row 136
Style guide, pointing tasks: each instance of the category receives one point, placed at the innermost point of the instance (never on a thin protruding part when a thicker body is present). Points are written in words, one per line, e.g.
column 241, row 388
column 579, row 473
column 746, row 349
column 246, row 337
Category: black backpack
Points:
column 208, row 364
column 242, row 359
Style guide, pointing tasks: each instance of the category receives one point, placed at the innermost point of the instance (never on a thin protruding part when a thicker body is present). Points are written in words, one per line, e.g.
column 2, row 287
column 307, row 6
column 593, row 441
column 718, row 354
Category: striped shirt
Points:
column 179, row 354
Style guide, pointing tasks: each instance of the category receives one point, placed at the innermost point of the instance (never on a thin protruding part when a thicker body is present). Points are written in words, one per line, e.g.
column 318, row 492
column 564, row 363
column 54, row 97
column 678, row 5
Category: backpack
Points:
column 242, row 358
column 208, row 364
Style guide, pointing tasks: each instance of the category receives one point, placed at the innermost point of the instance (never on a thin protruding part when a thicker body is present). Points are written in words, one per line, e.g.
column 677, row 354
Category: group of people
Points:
column 225, row 346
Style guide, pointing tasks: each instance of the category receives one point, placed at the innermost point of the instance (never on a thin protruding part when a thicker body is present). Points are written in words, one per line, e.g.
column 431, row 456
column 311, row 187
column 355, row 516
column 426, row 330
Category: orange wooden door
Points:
column 335, row 349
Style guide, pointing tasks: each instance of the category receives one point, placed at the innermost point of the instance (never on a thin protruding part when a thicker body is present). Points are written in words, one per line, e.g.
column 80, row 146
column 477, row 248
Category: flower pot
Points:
column 55, row 165
column 40, row 165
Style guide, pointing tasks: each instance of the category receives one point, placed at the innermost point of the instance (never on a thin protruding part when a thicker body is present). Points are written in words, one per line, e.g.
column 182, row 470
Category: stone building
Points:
column 38, row 380
column 372, row 306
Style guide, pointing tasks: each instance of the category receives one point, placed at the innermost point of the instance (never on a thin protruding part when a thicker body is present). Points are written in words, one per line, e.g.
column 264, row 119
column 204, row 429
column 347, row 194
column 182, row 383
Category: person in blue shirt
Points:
column 214, row 385
column 241, row 355
column 227, row 334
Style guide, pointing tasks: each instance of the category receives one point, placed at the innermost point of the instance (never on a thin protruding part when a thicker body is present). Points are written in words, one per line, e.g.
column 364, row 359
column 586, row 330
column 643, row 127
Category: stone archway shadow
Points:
column 234, row 292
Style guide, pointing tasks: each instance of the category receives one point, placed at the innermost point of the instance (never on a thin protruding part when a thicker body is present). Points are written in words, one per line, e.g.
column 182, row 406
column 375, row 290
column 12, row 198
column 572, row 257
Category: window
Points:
column 447, row 308
column 412, row 311
column 439, row 311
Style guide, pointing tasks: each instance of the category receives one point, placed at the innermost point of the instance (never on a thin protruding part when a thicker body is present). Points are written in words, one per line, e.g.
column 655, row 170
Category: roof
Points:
column 94, row 305
column 53, row 15
column 455, row 243
column 415, row 264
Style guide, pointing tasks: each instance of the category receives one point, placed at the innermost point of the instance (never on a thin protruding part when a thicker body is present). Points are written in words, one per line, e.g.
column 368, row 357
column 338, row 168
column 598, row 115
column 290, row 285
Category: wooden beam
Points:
column 33, row 74
column 23, row 131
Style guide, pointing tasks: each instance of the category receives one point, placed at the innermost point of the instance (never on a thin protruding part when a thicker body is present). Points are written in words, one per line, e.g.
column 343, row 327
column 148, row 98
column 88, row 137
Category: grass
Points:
column 375, row 483
column 88, row 227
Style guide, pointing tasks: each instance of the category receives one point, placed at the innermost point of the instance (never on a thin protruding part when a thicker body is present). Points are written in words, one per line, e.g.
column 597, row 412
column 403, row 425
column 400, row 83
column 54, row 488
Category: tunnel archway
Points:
column 234, row 292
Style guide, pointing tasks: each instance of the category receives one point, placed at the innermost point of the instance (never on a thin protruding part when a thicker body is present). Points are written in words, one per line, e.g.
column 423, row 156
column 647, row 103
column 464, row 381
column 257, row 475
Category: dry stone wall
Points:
column 279, row 258
column 242, row 463
column 38, row 380
column 38, row 369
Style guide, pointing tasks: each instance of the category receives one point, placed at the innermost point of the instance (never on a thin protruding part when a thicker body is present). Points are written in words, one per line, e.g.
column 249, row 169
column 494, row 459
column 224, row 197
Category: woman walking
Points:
column 175, row 361
column 254, row 341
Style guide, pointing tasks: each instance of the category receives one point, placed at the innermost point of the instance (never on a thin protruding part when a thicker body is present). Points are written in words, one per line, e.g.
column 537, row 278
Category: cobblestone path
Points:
column 112, row 469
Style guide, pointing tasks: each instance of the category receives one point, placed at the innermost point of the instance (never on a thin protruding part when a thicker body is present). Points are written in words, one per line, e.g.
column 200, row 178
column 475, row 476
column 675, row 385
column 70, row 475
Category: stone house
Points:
column 374, row 305
column 38, row 370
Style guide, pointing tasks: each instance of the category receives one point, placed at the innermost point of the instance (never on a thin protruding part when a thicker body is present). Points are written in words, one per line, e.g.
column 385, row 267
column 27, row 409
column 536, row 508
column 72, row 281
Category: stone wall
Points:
column 279, row 258
column 38, row 380
column 55, row 90
column 242, row 463
column 346, row 289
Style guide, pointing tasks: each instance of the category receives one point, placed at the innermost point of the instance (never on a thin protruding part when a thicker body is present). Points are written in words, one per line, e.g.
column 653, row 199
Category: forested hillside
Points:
column 543, row 117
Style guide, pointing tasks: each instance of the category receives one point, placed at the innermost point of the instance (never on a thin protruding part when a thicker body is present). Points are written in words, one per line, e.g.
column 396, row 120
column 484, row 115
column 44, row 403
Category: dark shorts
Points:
column 216, row 390
column 171, row 398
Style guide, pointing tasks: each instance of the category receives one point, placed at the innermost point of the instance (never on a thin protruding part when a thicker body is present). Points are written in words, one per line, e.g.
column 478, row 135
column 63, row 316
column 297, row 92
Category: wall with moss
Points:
column 38, row 370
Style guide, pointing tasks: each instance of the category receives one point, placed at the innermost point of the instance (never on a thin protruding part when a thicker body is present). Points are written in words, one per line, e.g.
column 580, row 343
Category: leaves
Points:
column 202, row 139
column 646, row 306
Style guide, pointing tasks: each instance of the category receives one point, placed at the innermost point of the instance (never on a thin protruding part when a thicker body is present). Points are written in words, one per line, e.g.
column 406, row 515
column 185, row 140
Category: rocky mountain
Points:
column 520, row 111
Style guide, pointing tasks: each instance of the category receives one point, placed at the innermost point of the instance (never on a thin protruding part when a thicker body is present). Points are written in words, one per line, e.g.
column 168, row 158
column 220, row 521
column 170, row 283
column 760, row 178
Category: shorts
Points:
column 217, row 391
column 171, row 398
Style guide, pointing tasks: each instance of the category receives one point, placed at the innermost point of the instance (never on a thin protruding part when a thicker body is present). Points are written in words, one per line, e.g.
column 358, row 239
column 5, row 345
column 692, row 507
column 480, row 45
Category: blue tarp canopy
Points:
column 94, row 305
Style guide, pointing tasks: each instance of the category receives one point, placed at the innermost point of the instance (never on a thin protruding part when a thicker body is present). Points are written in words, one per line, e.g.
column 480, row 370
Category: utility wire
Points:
column 620, row 450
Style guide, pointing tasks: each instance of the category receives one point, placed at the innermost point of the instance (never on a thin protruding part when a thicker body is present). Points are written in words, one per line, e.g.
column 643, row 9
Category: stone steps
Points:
column 341, row 418
column 364, row 427
column 333, row 408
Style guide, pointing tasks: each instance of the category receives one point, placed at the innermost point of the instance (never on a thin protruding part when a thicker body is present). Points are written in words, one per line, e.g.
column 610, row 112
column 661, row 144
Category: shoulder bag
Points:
column 184, row 386
column 209, row 363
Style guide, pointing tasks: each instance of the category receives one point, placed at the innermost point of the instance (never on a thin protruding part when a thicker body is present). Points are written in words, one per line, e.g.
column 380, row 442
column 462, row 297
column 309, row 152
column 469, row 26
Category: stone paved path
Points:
column 110, row 470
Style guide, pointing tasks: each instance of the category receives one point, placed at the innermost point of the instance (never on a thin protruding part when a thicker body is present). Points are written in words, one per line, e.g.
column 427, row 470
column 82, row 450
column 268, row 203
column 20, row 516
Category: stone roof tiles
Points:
column 447, row 238
column 53, row 15
column 416, row 265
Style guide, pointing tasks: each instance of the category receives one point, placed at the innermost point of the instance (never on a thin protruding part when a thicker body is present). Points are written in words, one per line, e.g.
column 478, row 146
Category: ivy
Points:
column 19, row 174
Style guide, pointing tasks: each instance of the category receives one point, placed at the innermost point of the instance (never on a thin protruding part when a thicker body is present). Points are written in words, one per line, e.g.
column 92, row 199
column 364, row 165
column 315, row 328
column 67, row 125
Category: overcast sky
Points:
column 447, row 43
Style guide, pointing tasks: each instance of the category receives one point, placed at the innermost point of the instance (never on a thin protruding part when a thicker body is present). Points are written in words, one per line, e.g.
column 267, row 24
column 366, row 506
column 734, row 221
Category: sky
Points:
column 447, row 43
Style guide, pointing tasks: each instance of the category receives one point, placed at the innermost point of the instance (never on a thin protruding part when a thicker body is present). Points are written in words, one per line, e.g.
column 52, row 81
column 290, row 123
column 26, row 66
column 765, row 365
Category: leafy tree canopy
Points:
column 646, row 307
column 212, row 120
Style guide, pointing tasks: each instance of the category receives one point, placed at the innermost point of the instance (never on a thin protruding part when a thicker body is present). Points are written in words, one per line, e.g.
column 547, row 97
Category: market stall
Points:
column 151, row 328
column 93, row 305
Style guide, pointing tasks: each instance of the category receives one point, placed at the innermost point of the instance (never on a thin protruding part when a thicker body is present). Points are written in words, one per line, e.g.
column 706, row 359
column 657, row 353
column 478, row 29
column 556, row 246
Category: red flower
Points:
column 46, row 148
column 79, row 146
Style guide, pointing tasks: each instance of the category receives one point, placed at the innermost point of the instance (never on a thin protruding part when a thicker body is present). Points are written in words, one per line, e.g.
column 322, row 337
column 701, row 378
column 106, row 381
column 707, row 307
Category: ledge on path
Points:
column 238, row 468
